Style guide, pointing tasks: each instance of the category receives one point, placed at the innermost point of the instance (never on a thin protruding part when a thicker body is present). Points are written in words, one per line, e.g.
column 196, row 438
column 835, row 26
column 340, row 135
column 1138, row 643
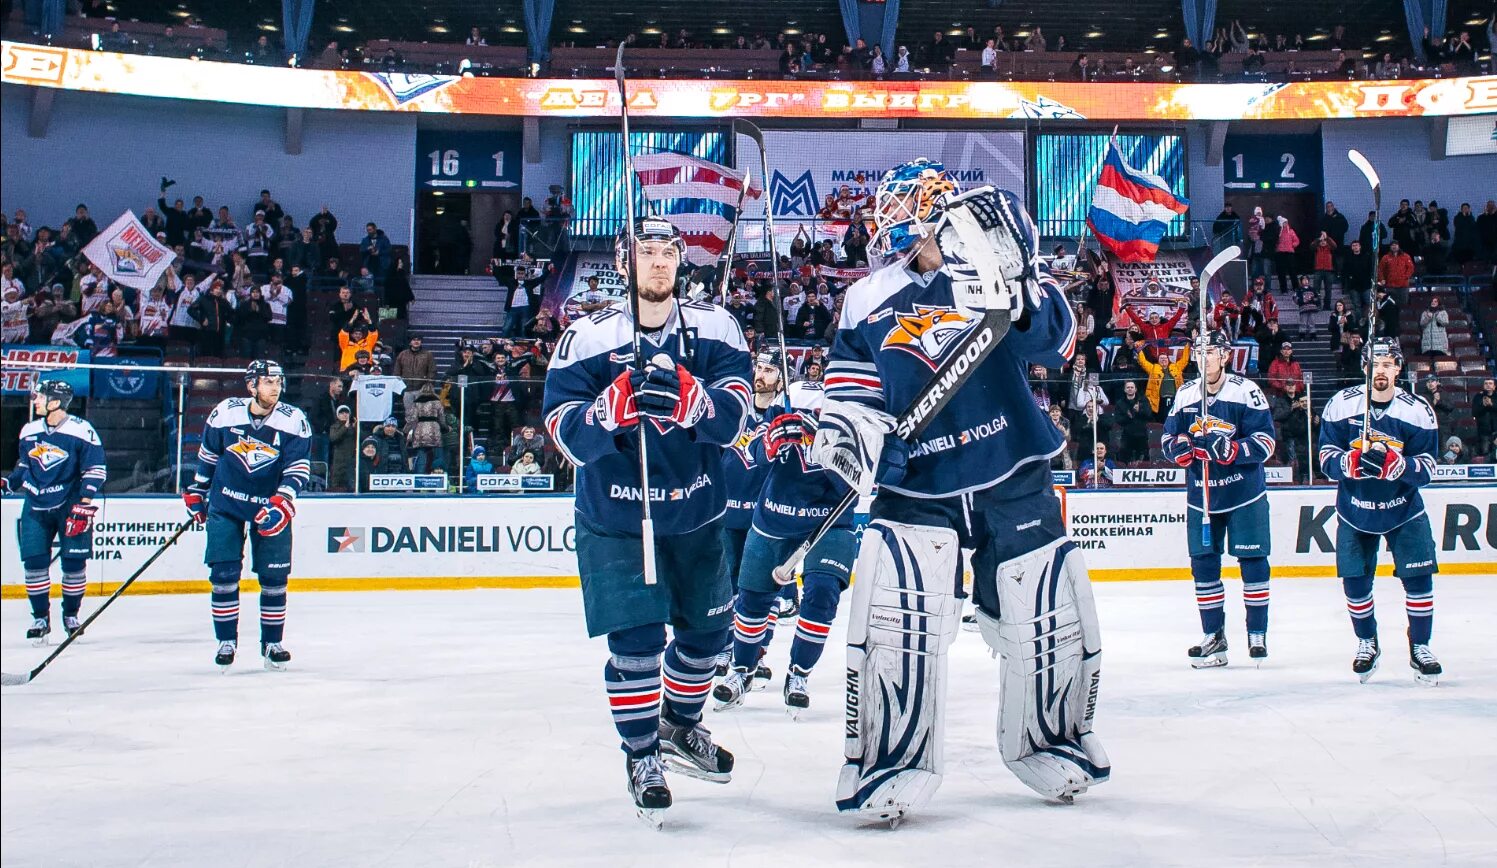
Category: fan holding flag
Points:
column 1131, row 209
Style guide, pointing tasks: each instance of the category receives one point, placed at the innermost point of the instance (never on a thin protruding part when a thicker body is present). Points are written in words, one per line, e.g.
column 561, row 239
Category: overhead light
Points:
column 956, row 31
column 575, row 29
column 651, row 31
column 181, row 13
column 1095, row 34
column 1166, row 68
column 1386, row 37
column 266, row 25
column 1475, row 22
column 437, row 28
column 792, row 31
column 438, row 193
column 1022, row 34
column 1316, row 37
column 1148, row 51
column 343, row 28
column 1163, row 34
column 721, row 31
column 510, row 28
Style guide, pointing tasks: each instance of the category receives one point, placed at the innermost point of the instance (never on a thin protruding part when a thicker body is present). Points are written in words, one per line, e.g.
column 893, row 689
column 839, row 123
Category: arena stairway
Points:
column 449, row 308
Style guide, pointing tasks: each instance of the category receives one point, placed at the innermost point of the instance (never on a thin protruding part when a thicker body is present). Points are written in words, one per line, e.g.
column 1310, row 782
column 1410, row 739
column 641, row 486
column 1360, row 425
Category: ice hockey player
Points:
column 60, row 471
column 1225, row 443
column 1379, row 472
column 743, row 479
column 253, row 462
column 688, row 398
column 797, row 497
column 979, row 478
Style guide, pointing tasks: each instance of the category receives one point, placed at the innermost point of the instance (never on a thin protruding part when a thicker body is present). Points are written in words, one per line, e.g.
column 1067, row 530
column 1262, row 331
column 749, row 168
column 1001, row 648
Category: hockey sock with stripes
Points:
column 687, row 673
column 1359, row 605
column 1255, row 593
column 225, row 600
column 1210, row 595
column 632, row 678
column 1419, row 602
column 272, row 608
column 818, row 608
column 753, row 624
column 39, row 589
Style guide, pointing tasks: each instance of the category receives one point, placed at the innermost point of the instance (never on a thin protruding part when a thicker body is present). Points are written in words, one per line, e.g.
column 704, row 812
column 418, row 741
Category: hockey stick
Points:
column 647, row 521
column 727, row 265
column 753, row 132
column 1376, row 184
column 10, row 680
column 1207, row 275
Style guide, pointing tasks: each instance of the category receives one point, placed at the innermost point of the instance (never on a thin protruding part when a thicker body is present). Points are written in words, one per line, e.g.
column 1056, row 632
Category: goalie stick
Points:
column 1207, row 274
column 12, row 679
column 631, row 276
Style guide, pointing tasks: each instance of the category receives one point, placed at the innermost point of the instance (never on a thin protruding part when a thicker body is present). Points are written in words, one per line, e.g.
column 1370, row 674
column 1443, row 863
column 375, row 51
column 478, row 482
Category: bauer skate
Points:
column 1364, row 663
column 1258, row 647
column 787, row 607
column 648, row 788
column 797, row 696
column 688, row 749
column 275, row 656
column 762, row 674
column 730, row 693
column 37, row 632
column 1211, row 652
column 722, row 663
column 1427, row 669
column 225, row 656
column 71, row 624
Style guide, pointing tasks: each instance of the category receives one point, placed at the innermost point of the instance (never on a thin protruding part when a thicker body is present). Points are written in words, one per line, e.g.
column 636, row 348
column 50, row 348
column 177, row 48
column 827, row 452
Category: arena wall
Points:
column 372, row 542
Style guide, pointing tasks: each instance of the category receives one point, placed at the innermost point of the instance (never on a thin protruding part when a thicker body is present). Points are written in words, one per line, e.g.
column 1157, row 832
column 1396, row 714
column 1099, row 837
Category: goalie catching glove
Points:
column 987, row 241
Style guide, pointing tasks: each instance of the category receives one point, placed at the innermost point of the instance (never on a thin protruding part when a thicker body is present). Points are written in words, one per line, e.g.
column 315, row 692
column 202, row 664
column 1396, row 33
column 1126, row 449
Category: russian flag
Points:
column 1131, row 210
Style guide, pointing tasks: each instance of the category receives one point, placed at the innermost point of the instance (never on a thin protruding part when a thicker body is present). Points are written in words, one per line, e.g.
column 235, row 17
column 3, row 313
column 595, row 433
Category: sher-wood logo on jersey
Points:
column 928, row 333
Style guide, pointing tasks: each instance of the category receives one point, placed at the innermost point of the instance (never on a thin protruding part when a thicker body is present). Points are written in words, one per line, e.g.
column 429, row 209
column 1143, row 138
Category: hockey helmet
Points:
column 908, row 196
column 262, row 368
column 1382, row 347
column 647, row 229
column 768, row 357
column 54, row 390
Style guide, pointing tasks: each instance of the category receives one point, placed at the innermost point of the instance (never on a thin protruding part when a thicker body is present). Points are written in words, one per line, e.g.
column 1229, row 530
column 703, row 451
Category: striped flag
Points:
column 1131, row 210
column 703, row 195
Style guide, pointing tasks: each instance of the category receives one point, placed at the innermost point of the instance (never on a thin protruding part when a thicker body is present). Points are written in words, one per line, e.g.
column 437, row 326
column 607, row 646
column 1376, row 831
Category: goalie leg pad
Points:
column 904, row 615
column 1049, row 642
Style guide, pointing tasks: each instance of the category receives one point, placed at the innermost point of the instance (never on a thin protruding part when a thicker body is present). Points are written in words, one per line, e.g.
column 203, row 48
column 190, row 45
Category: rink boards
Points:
column 375, row 542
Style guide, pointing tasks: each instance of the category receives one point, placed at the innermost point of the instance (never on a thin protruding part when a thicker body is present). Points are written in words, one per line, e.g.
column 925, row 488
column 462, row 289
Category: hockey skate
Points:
column 688, row 749
column 969, row 623
column 225, row 656
column 797, row 696
column 275, row 656
column 762, row 673
column 1211, row 652
column 1258, row 647
column 648, row 788
column 38, row 631
column 722, row 663
column 1365, row 661
column 787, row 607
column 71, row 624
column 1427, row 669
column 730, row 693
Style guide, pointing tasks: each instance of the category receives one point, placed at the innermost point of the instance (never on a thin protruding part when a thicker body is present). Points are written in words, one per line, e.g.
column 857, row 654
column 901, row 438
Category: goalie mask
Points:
column 908, row 198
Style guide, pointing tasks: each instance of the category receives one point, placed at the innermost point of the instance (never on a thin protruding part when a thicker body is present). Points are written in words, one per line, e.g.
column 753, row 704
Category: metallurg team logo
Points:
column 1212, row 425
column 253, row 454
column 928, row 333
column 47, row 455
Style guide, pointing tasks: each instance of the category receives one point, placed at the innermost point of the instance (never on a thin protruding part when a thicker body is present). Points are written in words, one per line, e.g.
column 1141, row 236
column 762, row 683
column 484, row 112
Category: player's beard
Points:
column 1381, row 382
column 656, row 294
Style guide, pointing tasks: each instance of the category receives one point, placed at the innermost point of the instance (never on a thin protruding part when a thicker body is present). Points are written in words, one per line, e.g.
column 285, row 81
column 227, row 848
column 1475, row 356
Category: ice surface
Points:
column 470, row 729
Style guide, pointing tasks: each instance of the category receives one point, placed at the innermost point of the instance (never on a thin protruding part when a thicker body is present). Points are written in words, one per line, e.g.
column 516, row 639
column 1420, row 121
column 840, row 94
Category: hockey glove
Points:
column 669, row 391
column 616, row 408
column 1362, row 464
column 1217, row 447
column 197, row 505
column 988, row 244
column 1393, row 464
column 785, row 430
column 850, row 441
column 4, row 485
column 80, row 519
column 1184, row 450
column 275, row 516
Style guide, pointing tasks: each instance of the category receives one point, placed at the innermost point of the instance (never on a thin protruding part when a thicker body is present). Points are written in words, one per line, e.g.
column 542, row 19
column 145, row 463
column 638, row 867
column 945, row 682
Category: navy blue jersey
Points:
column 743, row 477
column 1239, row 411
column 897, row 327
column 244, row 459
column 686, row 476
column 798, row 495
column 58, row 466
column 1406, row 423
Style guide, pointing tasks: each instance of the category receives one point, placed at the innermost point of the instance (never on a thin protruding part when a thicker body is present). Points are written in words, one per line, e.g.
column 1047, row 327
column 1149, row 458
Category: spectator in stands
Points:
column 1444, row 412
column 506, row 237
column 252, row 325
column 526, row 466
column 82, row 226
column 1370, row 227
column 1395, row 270
column 1486, row 228
column 1089, row 406
column 1226, row 221
column 1286, row 263
column 1284, row 369
column 259, row 241
column 1343, row 321
column 902, row 60
column 813, row 319
column 269, row 207
column 324, row 226
column 212, row 313
column 478, row 465
column 1406, row 226
column 339, row 447
column 1356, row 276
column 1089, row 477
column 391, row 445
column 1484, row 409
column 1308, row 300
column 1327, row 251
column 1333, row 225
column 344, row 314
column 323, row 413
column 1463, row 243
column 1134, row 415
column 1349, row 361
column 415, row 366
column 766, row 316
column 475, row 37
column 1434, row 339
column 370, row 463
column 182, row 325
column 426, row 429
column 1290, row 412
column 351, row 342
column 375, row 250
column 525, row 439
column 1436, row 252
column 479, row 374
column 8, row 280
column 14, row 325
column 1455, row 451
column 1387, row 310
